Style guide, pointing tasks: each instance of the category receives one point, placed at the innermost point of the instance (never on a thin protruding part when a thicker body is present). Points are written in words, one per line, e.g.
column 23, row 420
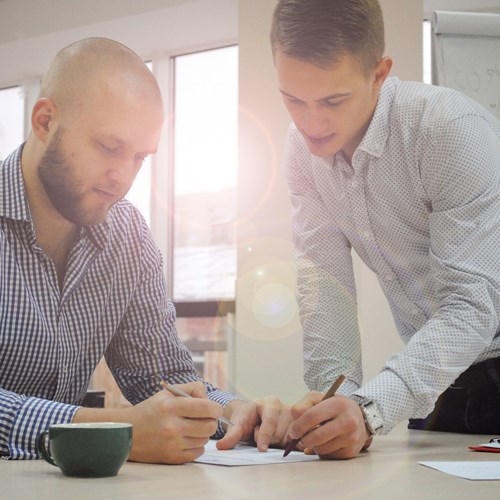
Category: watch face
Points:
column 372, row 414
column 373, row 417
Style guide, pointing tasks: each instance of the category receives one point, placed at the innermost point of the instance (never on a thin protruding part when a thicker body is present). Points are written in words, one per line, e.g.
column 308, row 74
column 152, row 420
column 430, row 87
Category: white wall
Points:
column 268, row 340
column 179, row 26
column 28, row 18
column 268, row 335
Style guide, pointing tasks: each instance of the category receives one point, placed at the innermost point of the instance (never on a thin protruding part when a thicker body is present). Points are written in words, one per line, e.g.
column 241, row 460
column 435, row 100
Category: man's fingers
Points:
column 309, row 451
column 194, row 389
column 231, row 438
column 269, row 413
column 308, row 401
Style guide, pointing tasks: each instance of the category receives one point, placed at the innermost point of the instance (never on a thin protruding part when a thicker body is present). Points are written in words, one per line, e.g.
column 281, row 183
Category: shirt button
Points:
column 65, row 369
column 389, row 277
column 354, row 184
column 367, row 234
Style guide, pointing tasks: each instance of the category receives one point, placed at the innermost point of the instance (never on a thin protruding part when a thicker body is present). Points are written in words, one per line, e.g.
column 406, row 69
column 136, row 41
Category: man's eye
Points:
column 329, row 104
column 108, row 149
column 291, row 100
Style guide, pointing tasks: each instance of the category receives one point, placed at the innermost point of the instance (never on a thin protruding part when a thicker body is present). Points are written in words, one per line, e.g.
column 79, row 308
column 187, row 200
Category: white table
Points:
column 390, row 470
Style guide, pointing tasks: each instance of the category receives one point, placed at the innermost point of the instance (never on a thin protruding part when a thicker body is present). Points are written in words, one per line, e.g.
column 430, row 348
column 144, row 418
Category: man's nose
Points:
column 122, row 173
column 314, row 122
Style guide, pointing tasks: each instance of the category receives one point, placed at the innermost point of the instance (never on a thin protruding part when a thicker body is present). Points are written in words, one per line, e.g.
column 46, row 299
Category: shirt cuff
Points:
column 223, row 398
column 392, row 396
column 34, row 416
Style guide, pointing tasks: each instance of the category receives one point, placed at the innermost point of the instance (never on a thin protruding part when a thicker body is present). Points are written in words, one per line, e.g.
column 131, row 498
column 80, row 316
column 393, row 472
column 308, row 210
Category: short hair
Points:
column 322, row 31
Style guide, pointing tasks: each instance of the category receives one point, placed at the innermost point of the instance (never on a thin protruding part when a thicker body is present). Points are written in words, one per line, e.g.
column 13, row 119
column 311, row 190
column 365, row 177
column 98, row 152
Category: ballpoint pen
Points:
column 331, row 392
column 178, row 392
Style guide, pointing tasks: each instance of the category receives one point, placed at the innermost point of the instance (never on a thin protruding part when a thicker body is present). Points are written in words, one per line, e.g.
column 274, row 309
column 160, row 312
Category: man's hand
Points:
column 334, row 428
column 167, row 429
column 265, row 421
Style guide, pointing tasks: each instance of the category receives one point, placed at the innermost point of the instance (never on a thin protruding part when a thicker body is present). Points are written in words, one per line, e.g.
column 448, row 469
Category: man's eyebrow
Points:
column 100, row 136
column 339, row 95
column 121, row 143
column 288, row 95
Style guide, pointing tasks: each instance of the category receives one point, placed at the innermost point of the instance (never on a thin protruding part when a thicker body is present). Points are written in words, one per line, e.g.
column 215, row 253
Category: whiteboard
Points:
column 466, row 55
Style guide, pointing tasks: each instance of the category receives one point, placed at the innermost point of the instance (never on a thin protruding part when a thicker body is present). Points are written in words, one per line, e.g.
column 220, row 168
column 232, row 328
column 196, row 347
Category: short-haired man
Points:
column 407, row 175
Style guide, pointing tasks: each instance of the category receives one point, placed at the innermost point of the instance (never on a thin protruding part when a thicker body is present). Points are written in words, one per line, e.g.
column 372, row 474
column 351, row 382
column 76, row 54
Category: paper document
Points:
column 249, row 455
column 476, row 471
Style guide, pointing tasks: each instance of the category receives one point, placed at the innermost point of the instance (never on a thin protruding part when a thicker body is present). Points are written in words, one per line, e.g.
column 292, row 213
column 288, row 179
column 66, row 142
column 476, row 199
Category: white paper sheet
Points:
column 249, row 455
column 475, row 471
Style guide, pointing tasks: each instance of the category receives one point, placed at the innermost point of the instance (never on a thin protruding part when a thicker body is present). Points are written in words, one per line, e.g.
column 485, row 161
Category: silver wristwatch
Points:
column 371, row 413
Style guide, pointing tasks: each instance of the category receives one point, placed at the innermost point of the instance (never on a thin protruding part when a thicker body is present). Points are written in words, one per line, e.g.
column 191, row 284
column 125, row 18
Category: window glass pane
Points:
column 11, row 120
column 140, row 192
column 205, row 170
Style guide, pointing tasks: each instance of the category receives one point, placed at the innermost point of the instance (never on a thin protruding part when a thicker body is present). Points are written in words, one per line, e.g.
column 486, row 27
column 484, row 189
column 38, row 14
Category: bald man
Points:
column 80, row 275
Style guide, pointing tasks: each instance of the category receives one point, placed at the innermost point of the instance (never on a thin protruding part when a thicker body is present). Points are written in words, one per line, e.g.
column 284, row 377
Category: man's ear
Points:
column 43, row 118
column 382, row 70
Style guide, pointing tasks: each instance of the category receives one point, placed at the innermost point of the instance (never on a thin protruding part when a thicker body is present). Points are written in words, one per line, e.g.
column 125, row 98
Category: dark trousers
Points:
column 471, row 405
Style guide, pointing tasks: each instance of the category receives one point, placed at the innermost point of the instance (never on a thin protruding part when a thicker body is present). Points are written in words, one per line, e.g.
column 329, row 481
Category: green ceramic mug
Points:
column 95, row 449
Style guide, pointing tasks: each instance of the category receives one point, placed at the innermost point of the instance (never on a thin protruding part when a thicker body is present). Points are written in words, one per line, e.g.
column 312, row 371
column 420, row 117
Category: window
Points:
column 140, row 192
column 205, row 170
column 11, row 120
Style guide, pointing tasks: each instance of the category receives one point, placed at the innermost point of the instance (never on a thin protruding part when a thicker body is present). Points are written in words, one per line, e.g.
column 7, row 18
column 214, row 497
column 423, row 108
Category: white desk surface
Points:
column 389, row 470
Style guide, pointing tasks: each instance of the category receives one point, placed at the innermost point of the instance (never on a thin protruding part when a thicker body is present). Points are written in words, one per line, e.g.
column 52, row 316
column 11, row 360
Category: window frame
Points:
column 18, row 89
column 162, row 226
column 188, row 308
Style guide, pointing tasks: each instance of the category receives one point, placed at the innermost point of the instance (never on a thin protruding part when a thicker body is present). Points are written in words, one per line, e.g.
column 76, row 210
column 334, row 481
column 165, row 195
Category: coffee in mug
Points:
column 96, row 449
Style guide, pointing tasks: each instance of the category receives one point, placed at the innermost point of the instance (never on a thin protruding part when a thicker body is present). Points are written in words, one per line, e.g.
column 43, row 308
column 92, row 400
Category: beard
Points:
column 63, row 189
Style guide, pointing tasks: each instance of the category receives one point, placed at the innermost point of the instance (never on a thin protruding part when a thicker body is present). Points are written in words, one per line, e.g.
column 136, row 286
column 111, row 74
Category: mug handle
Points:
column 43, row 449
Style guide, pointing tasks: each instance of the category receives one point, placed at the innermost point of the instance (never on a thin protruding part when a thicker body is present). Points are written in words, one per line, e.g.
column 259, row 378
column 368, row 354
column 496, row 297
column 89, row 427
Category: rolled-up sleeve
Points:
column 24, row 418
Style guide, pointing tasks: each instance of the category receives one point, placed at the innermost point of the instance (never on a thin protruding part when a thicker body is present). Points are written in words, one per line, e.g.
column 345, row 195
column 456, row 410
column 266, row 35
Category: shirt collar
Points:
column 14, row 202
column 98, row 234
column 376, row 136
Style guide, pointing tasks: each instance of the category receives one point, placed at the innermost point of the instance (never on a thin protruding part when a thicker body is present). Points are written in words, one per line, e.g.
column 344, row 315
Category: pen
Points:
column 331, row 392
column 178, row 392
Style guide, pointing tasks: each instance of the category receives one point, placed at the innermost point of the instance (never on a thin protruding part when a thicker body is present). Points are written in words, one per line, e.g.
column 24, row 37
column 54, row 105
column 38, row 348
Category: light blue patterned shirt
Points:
column 113, row 303
column 421, row 206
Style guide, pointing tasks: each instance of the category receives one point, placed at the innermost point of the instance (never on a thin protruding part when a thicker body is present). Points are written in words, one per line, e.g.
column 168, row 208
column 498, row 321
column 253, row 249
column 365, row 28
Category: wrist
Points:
column 83, row 415
column 231, row 406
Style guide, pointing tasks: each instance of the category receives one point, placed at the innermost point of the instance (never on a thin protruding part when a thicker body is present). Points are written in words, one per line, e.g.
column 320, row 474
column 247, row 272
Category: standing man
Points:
column 408, row 176
column 80, row 275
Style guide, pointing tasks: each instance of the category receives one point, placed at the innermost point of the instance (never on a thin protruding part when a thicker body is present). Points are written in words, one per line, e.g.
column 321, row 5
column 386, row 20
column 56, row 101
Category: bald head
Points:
column 98, row 117
column 85, row 66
